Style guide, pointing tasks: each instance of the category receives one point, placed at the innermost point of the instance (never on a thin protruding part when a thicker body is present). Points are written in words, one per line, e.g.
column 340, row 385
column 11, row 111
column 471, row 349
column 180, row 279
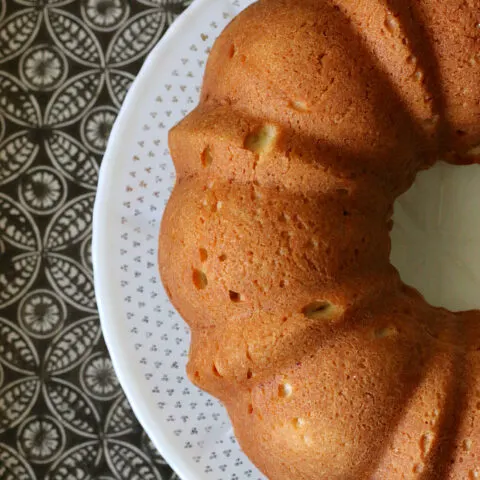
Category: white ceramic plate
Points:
column 147, row 340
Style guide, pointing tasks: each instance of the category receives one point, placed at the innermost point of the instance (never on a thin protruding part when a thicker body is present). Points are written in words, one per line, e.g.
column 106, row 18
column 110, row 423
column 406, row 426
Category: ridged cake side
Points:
column 314, row 116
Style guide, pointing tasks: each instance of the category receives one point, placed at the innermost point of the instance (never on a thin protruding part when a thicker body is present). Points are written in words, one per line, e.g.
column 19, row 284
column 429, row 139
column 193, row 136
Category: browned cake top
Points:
column 314, row 116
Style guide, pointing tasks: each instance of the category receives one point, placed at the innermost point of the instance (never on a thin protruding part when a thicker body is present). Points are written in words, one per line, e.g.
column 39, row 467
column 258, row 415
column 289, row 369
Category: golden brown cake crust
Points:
column 314, row 116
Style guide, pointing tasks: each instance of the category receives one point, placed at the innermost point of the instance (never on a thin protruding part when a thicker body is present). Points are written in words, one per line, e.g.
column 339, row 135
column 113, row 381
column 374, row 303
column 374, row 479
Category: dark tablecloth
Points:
column 63, row 414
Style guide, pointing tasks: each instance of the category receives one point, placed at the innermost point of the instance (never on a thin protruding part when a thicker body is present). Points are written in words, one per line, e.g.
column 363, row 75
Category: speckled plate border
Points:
column 147, row 340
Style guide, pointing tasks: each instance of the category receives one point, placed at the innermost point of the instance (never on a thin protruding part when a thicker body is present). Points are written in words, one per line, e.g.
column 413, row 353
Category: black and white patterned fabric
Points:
column 65, row 67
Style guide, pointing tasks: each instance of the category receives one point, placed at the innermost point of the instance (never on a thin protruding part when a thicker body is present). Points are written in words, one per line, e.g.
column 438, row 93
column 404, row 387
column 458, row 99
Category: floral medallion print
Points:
column 65, row 68
column 105, row 15
column 98, row 377
column 41, row 439
column 96, row 126
column 41, row 314
column 43, row 67
column 42, row 190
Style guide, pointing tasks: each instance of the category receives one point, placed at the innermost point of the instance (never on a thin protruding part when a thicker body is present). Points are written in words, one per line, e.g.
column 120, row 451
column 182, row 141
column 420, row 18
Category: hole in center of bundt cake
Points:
column 436, row 236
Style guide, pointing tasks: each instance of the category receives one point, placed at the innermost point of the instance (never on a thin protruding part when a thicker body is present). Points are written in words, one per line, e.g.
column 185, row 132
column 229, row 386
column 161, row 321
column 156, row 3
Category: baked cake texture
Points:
column 314, row 116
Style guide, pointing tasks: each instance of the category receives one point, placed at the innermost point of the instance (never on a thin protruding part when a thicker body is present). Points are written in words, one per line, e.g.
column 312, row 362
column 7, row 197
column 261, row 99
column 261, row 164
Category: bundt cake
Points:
column 314, row 116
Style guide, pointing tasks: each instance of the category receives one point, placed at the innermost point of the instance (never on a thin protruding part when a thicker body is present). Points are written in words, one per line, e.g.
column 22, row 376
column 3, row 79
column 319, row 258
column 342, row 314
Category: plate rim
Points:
column 106, row 287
